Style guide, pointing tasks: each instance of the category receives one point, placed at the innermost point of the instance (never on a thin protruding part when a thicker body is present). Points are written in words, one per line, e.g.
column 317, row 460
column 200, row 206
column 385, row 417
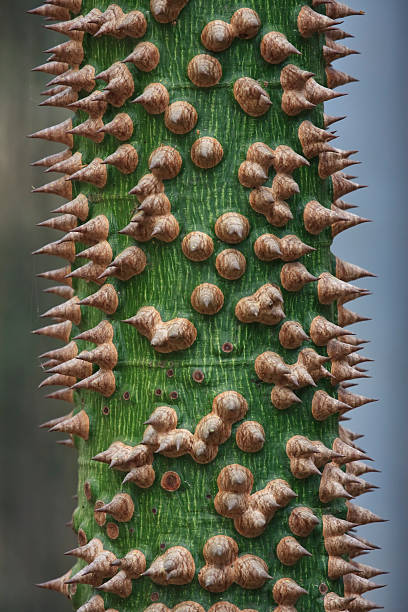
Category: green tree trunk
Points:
column 222, row 357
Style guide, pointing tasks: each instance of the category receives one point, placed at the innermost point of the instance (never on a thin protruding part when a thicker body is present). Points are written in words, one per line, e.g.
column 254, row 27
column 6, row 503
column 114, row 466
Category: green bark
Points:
column 198, row 198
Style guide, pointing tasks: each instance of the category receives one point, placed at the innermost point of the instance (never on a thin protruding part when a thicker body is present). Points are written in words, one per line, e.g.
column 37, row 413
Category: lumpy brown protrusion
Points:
column 165, row 336
column 224, row 567
column 263, row 306
column 251, row 513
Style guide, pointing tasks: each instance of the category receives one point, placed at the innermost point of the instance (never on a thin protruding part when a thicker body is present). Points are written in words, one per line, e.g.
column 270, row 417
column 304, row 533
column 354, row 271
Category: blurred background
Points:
column 39, row 479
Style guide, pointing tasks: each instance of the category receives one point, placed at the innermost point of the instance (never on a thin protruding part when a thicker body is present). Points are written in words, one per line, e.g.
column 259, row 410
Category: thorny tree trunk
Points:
column 235, row 363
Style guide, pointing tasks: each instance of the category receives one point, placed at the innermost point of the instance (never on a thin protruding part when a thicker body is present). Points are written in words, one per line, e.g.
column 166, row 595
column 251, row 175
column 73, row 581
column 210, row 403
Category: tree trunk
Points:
column 164, row 364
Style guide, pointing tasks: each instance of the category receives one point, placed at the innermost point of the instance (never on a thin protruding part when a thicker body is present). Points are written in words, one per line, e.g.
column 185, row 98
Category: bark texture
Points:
column 223, row 356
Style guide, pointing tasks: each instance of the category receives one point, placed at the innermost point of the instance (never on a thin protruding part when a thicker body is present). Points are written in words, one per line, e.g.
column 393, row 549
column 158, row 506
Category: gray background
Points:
column 39, row 477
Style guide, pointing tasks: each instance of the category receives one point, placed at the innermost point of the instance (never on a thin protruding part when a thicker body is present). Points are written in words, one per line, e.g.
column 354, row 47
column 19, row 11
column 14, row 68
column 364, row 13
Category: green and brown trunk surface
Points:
column 145, row 378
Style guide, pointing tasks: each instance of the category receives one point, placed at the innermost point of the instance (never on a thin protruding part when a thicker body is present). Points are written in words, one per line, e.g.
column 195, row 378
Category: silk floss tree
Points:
column 207, row 357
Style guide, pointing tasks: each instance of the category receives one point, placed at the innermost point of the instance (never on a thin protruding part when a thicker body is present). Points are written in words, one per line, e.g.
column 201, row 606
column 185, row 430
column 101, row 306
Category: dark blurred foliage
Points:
column 39, row 477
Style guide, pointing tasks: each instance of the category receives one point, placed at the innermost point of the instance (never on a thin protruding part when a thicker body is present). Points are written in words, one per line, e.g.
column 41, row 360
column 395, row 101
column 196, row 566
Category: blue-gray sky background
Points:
column 39, row 477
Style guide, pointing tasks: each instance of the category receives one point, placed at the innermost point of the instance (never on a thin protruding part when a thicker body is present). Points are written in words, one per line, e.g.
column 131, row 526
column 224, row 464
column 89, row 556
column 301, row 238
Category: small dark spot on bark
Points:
column 126, row 395
column 154, row 596
column 105, row 410
column 173, row 395
column 227, row 347
column 170, row 481
column 112, row 531
column 323, row 588
column 170, row 373
column 158, row 392
column 198, row 376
